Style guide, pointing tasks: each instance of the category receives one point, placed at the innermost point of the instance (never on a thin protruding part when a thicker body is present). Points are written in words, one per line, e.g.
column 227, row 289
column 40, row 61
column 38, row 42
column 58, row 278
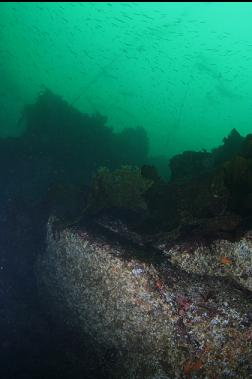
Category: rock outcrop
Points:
column 231, row 259
column 161, row 313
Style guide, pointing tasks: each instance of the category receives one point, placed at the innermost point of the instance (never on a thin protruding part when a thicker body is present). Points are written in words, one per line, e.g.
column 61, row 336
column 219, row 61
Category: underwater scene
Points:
column 126, row 190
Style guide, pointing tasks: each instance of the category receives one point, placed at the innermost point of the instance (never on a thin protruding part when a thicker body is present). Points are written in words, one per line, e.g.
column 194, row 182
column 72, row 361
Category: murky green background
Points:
column 181, row 70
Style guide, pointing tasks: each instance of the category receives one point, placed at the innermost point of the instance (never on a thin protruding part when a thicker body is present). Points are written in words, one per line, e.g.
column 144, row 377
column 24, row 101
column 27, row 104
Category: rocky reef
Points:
column 155, row 274
column 149, row 277
column 152, row 312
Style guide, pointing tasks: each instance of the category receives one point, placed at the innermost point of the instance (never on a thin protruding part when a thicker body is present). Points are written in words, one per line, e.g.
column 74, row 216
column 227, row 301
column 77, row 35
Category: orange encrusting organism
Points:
column 225, row 260
column 192, row 366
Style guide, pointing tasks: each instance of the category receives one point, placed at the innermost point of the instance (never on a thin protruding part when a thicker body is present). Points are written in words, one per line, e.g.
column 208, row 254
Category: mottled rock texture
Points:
column 156, row 311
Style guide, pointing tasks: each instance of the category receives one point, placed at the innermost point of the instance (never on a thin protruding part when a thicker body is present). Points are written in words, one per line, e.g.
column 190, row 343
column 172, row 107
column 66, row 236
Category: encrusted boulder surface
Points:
column 231, row 259
column 161, row 317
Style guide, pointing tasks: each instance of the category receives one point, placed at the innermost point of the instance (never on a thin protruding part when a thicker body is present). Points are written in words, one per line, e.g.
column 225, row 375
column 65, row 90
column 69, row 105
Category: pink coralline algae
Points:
column 184, row 304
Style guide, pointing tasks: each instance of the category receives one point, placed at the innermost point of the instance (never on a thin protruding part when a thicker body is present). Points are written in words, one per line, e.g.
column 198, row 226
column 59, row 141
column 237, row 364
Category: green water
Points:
column 181, row 70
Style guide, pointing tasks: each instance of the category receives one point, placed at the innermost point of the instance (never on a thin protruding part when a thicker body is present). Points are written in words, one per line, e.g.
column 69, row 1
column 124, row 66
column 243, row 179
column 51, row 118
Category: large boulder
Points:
column 161, row 320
